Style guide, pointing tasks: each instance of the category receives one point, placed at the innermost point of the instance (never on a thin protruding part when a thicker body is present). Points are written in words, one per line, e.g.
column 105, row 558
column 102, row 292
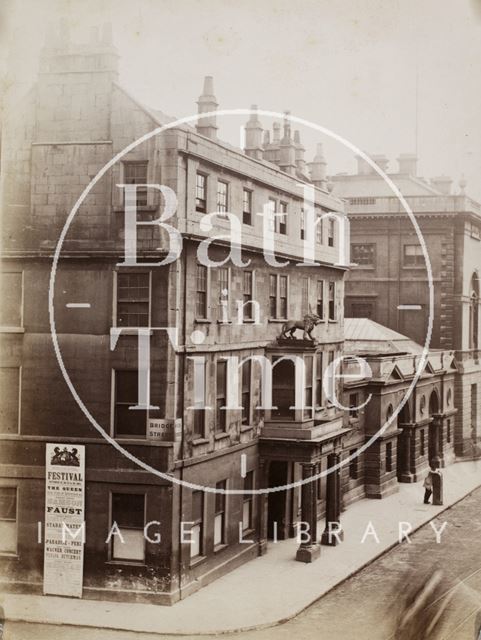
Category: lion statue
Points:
column 306, row 325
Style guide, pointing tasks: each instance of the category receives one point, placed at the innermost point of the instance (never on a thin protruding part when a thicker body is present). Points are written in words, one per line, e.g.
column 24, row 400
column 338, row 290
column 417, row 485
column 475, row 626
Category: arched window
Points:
column 474, row 313
column 389, row 412
column 433, row 403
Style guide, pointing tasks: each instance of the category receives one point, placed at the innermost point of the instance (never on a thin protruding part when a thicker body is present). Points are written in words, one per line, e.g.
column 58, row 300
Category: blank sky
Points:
column 348, row 65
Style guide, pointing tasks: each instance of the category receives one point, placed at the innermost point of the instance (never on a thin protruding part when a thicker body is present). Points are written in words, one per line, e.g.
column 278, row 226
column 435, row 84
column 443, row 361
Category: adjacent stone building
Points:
column 389, row 282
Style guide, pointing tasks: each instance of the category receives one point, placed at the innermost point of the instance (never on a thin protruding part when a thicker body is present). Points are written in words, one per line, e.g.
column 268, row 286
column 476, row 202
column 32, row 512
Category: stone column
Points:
column 333, row 534
column 441, row 442
column 263, row 507
column 406, row 474
column 435, row 458
column 310, row 550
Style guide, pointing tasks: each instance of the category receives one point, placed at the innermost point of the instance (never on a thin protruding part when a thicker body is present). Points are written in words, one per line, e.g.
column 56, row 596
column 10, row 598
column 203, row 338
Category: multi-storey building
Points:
column 55, row 140
column 71, row 123
column 390, row 283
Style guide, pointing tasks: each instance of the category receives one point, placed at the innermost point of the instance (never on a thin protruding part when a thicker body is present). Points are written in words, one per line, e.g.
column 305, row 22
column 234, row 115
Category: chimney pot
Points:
column 442, row 184
column 408, row 164
column 207, row 103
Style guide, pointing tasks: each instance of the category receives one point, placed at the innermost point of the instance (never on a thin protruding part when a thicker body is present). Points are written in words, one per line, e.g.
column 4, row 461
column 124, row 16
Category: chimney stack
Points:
column 363, row 168
column 207, row 102
column 287, row 160
column 408, row 163
column 253, row 144
column 300, row 151
column 381, row 161
column 442, row 184
column 318, row 169
column 271, row 149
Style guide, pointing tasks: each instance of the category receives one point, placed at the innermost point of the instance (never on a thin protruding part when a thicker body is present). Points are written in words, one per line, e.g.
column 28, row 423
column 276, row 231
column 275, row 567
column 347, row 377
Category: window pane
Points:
column 320, row 298
column 220, row 497
column 133, row 547
column 201, row 293
column 9, row 399
column 197, row 505
column 127, row 421
column 247, row 207
column 136, row 173
column 200, row 193
column 221, row 378
column 319, row 373
column 319, row 230
column 8, row 503
column 221, row 196
column 8, row 537
column 247, row 514
column 248, row 283
column 246, row 392
column 128, row 510
column 249, row 481
column 133, row 294
column 199, row 422
column 219, row 529
column 195, row 536
column 363, row 254
column 331, row 227
column 126, row 387
column 11, row 297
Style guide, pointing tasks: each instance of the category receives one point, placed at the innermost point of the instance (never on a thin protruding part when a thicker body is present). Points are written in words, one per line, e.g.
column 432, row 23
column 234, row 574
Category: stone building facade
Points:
column 67, row 127
column 55, row 140
column 389, row 282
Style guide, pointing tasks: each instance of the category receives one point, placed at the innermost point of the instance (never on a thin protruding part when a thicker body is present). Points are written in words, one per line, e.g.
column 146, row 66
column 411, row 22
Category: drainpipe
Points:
column 182, row 385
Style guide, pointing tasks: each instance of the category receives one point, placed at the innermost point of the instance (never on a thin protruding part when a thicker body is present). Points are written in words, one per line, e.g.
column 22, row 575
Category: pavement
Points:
column 270, row 589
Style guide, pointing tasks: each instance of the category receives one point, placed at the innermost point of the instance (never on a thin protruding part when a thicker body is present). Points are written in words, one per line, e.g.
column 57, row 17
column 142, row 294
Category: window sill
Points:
column 332, row 321
column 365, row 267
column 12, row 330
column 143, row 441
column 197, row 560
column 126, row 563
column 246, row 427
column 248, row 320
column 198, row 441
column 140, row 208
column 221, row 322
column 202, row 320
column 221, row 436
column 133, row 331
column 277, row 320
column 220, row 547
column 419, row 266
column 9, row 554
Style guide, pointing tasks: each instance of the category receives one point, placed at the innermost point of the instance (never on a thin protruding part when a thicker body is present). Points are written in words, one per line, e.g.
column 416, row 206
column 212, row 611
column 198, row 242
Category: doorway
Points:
column 277, row 501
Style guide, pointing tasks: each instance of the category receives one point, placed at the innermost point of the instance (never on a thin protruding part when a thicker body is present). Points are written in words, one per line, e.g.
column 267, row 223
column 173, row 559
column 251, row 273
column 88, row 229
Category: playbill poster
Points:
column 240, row 319
column 64, row 519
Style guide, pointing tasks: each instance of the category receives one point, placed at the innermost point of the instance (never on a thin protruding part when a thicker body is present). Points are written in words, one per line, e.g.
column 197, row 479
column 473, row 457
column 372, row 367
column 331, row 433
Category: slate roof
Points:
column 363, row 335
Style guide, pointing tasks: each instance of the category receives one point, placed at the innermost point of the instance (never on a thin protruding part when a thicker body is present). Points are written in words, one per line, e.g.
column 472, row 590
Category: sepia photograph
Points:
column 240, row 352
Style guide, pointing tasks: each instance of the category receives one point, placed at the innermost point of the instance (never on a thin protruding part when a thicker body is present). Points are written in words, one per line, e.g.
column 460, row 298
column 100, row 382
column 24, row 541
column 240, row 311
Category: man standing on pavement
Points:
column 428, row 482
